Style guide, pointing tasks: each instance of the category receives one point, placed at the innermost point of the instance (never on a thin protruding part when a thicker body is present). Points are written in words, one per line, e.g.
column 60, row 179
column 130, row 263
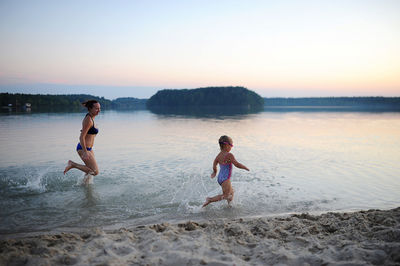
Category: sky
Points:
column 134, row 48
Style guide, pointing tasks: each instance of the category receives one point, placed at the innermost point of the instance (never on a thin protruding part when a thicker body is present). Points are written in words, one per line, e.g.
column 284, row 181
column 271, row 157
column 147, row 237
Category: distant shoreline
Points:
column 53, row 103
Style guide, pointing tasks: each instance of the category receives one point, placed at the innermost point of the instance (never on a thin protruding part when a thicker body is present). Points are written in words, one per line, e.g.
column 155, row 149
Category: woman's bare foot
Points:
column 68, row 167
column 208, row 201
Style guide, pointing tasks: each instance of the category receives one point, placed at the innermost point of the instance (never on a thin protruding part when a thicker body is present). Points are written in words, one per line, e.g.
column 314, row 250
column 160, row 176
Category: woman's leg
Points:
column 81, row 167
column 90, row 163
column 90, row 166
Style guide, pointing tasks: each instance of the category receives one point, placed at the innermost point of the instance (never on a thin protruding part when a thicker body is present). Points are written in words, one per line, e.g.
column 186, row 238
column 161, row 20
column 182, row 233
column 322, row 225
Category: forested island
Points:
column 238, row 97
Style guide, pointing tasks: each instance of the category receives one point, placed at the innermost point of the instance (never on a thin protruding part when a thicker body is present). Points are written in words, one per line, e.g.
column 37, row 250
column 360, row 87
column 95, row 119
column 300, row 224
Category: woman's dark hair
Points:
column 221, row 141
column 89, row 104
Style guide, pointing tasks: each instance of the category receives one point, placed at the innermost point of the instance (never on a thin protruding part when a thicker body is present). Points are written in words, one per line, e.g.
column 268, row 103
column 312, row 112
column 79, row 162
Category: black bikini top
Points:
column 92, row 130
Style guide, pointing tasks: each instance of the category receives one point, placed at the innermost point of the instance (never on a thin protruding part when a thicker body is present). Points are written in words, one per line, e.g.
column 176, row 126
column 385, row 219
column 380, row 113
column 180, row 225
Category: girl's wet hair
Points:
column 222, row 140
column 89, row 104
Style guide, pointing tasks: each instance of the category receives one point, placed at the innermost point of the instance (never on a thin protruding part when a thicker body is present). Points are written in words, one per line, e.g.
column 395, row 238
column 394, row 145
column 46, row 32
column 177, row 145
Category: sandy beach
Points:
column 361, row 238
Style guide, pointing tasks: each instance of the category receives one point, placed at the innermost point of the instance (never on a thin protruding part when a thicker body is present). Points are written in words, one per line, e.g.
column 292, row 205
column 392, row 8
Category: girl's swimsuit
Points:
column 225, row 172
column 91, row 131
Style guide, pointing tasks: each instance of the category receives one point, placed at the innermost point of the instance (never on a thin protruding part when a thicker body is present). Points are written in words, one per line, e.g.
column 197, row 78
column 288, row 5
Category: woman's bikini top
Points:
column 92, row 130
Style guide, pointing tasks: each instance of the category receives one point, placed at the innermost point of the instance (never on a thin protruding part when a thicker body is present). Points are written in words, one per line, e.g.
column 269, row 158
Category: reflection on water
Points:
column 204, row 111
column 157, row 167
column 368, row 109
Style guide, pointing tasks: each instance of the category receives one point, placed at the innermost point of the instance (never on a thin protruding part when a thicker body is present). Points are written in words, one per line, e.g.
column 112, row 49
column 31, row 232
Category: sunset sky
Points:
column 133, row 48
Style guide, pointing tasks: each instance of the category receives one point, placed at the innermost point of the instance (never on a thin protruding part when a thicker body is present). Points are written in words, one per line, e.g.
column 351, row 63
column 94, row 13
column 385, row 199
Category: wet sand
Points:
column 359, row 238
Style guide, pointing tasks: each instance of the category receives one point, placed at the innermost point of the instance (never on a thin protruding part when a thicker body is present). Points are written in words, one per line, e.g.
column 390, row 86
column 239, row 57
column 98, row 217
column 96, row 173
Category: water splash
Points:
column 87, row 179
column 33, row 180
column 37, row 181
column 191, row 194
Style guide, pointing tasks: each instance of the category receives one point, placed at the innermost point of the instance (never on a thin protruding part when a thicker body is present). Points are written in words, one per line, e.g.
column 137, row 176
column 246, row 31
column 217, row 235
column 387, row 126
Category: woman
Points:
column 86, row 141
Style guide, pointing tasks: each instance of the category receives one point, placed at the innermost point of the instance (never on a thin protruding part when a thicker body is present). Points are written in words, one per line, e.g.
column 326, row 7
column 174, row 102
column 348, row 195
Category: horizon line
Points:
column 274, row 97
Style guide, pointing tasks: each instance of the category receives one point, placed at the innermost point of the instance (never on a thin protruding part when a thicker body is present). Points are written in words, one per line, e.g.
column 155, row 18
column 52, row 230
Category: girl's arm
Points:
column 236, row 163
column 214, row 173
column 86, row 123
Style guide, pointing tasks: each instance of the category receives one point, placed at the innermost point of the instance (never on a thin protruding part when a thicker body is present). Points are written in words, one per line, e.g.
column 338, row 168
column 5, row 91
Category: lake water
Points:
column 156, row 168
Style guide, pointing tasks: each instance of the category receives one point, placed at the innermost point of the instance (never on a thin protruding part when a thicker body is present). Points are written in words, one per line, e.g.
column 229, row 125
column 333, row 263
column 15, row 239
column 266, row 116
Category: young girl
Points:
column 225, row 160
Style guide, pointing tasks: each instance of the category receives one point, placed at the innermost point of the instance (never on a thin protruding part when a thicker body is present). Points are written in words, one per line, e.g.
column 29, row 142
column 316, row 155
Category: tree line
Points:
column 238, row 97
column 393, row 102
column 128, row 103
column 71, row 102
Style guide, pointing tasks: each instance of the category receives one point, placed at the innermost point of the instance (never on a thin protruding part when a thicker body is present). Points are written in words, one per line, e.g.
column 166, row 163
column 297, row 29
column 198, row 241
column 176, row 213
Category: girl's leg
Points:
column 227, row 190
column 213, row 199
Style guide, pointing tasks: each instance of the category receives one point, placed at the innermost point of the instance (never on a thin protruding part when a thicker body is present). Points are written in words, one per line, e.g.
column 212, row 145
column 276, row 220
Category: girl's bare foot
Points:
column 207, row 202
column 68, row 167
column 229, row 199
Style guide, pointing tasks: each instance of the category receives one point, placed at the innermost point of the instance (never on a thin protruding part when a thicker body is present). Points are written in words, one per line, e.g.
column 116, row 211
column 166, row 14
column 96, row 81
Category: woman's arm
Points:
column 236, row 163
